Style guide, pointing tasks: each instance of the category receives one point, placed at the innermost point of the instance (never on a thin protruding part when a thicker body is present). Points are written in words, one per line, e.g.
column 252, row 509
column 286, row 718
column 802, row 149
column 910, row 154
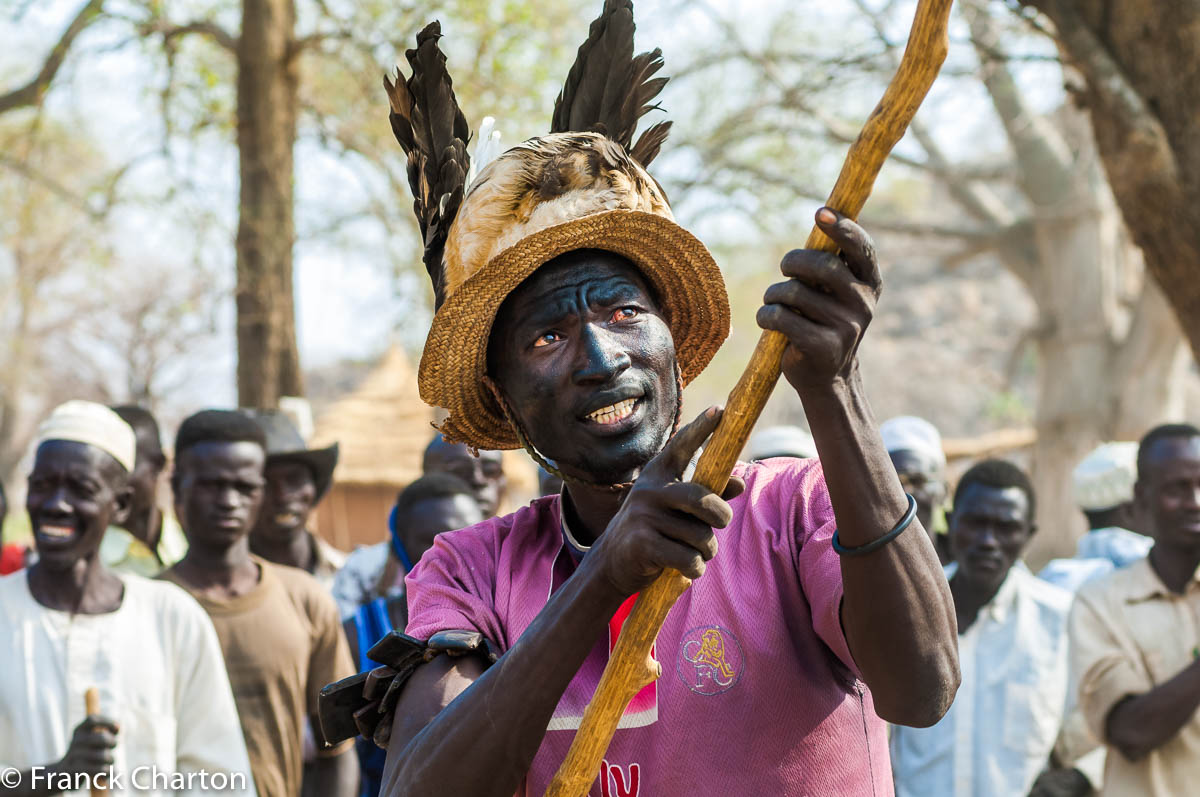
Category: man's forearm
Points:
column 1141, row 724
column 897, row 611
column 484, row 741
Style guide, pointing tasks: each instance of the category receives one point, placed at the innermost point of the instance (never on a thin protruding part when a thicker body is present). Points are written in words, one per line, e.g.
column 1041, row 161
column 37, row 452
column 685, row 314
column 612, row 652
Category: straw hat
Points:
column 541, row 199
column 551, row 195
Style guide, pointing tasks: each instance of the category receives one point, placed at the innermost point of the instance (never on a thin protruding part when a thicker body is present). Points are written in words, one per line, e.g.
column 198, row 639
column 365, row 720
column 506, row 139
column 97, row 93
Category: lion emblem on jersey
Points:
column 710, row 660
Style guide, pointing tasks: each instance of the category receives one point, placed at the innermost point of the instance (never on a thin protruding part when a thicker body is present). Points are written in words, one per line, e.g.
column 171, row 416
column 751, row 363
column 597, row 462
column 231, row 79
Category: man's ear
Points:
column 123, row 503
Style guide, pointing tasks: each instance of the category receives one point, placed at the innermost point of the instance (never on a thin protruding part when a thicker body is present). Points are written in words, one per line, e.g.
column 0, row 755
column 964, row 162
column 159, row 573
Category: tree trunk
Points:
column 268, row 359
column 1139, row 62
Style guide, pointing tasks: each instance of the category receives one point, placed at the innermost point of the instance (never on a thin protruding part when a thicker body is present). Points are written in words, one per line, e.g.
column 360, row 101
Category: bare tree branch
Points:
column 33, row 91
column 207, row 28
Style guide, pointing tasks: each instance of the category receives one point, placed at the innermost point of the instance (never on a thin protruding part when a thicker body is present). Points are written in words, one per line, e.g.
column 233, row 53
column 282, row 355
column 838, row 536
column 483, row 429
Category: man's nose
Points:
column 228, row 498
column 57, row 503
column 986, row 538
column 603, row 356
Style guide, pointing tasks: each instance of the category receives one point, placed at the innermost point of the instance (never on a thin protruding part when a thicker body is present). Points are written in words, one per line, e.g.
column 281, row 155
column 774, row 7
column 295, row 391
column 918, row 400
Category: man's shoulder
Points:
column 302, row 589
column 164, row 595
column 1050, row 597
column 539, row 516
column 1135, row 580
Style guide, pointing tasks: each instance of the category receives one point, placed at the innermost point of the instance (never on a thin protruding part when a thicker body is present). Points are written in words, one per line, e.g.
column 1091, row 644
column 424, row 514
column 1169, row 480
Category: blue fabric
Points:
column 372, row 623
column 397, row 545
column 1098, row 553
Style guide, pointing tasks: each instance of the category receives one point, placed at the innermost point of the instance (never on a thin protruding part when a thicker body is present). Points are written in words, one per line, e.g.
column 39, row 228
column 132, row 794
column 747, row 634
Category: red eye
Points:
column 547, row 339
column 624, row 314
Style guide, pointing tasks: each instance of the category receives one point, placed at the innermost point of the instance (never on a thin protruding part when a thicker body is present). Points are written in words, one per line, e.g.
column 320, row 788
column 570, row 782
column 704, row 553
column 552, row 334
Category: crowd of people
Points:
column 208, row 628
column 867, row 627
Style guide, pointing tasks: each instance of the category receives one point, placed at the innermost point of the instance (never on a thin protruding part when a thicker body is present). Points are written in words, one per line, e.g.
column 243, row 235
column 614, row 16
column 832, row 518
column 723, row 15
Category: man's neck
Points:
column 219, row 573
column 87, row 587
column 589, row 510
column 298, row 550
column 969, row 599
column 146, row 526
column 1175, row 566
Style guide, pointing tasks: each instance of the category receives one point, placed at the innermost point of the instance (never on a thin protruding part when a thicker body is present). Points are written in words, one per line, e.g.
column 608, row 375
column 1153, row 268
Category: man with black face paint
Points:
column 998, row 736
column 69, row 624
column 572, row 310
column 1135, row 639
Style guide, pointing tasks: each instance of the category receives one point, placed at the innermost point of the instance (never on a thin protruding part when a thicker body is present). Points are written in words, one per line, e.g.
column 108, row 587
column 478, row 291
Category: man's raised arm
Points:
column 897, row 612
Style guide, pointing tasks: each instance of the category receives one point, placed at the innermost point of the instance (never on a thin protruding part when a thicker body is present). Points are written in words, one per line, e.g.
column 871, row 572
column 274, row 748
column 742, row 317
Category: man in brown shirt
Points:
column 279, row 630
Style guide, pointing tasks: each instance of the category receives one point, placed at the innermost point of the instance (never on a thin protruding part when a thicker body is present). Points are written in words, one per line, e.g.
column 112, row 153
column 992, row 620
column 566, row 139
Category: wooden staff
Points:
column 631, row 667
column 91, row 703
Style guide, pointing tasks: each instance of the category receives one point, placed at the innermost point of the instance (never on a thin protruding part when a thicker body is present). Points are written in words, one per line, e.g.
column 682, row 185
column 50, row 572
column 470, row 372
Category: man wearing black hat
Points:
column 297, row 478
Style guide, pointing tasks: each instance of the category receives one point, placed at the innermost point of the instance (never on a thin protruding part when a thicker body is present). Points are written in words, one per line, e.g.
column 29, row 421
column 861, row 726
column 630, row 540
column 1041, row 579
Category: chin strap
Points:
column 545, row 464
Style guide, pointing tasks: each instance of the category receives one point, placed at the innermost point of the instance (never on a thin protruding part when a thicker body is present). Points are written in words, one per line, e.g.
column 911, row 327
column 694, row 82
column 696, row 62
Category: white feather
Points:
column 487, row 149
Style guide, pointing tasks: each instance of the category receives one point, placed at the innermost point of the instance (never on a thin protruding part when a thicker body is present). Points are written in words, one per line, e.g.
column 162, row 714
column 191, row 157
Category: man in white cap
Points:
column 69, row 625
column 1104, row 491
column 780, row 441
column 915, row 448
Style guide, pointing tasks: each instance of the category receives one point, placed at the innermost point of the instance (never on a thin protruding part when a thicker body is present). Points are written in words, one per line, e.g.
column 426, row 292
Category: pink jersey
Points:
column 759, row 694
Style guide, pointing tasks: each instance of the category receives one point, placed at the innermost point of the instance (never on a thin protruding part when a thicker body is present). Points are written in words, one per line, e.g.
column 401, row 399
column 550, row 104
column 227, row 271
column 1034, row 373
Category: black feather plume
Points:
column 433, row 132
column 609, row 89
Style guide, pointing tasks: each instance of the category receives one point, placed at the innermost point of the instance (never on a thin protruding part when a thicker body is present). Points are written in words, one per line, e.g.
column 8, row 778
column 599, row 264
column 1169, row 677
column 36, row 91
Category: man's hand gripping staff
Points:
column 825, row 324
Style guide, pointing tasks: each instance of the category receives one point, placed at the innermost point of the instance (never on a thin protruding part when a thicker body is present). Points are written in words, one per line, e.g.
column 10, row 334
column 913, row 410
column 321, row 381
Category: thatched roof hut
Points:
column 382, row 428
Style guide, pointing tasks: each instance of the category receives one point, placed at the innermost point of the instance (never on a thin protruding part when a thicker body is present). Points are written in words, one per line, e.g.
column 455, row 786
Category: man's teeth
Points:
column 285, row 517
column 613, row 412
column 60, row 532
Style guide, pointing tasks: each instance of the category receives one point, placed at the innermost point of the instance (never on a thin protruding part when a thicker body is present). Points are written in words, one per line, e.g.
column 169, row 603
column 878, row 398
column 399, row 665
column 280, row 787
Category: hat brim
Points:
column 679, row 267
column 322, row 461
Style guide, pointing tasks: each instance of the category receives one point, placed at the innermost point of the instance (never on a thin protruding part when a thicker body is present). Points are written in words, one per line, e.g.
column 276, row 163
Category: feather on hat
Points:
column 583, row 186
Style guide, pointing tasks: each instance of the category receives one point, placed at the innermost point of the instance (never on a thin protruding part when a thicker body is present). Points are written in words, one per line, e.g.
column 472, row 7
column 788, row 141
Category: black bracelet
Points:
column 875, row 545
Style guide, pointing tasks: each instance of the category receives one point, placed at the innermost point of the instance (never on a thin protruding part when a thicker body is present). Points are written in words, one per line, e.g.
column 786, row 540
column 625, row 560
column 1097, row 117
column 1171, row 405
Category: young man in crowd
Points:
column 297, row 478
column 1103, row 483
column 375, row 571
column 1135, row 639
column 999, row 733
column 915, row 448
column 149, row 540
column 569, row 326
column 433, row 504
column 277, row 626
column 69, row 624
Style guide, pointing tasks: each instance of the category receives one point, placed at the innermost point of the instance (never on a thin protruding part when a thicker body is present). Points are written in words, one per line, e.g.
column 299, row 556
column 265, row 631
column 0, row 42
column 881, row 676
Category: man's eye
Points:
column 547, row 339
column 624, row 314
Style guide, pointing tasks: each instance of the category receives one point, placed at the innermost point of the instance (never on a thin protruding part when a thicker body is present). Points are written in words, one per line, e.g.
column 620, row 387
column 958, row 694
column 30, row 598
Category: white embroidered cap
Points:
column 1105, row 477
column 910, row 433
column 93, row 424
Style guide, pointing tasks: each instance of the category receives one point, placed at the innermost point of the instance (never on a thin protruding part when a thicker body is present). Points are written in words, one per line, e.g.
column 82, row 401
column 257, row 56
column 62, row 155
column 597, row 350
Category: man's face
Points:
column 922, row 478
column 483, row 474
column 1168, row 492
column 989, row 527
column 75, row 492
column 218, row 490
column 146, row 469
column 288, row 499
column 585, row 357
column 426, row 519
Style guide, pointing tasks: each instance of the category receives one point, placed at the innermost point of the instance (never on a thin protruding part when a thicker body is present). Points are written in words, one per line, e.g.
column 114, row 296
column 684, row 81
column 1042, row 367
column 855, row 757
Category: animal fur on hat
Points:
column 607, row 91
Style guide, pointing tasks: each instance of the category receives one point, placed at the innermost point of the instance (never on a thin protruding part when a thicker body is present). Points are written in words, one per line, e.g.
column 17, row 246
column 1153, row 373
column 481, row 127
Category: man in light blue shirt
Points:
column 1104, row 491
column 998, row 735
